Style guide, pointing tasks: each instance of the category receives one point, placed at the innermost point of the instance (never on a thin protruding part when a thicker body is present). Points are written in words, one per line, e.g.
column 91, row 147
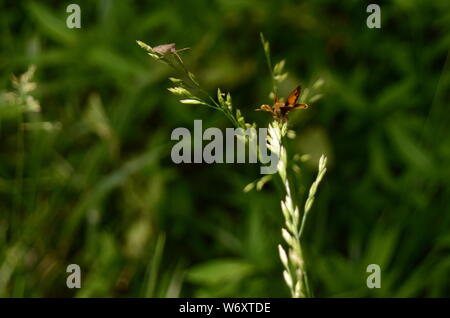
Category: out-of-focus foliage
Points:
column 88, row 179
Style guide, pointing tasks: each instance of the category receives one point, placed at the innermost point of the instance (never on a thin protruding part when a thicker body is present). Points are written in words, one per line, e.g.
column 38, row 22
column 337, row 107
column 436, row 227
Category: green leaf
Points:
column 219, row 271
column 408, row 148
column 51, row 24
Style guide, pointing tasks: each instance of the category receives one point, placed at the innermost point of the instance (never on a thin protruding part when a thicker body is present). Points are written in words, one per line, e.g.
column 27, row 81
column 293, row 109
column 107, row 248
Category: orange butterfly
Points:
column 280, row 110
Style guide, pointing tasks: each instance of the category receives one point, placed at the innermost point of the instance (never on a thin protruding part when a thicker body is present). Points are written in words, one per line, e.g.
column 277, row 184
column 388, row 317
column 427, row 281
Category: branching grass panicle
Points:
column 190, row 92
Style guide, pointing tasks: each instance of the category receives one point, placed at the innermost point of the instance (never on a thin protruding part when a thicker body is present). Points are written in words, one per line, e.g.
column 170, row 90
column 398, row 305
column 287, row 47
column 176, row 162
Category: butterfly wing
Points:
column 300, row 106
column 293, row 97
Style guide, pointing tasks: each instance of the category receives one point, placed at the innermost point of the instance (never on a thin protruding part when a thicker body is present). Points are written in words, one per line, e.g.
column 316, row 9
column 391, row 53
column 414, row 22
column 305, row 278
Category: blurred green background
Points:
column 95, row 185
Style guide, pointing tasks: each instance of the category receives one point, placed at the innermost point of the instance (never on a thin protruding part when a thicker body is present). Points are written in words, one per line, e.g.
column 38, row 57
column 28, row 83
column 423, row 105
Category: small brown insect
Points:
column 280, row 110
column 169, row 49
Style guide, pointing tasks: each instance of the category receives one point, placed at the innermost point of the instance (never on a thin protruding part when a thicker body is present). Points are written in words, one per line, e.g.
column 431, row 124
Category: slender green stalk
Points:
column 188, row 87
column 266, row 46
column 295, row 274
